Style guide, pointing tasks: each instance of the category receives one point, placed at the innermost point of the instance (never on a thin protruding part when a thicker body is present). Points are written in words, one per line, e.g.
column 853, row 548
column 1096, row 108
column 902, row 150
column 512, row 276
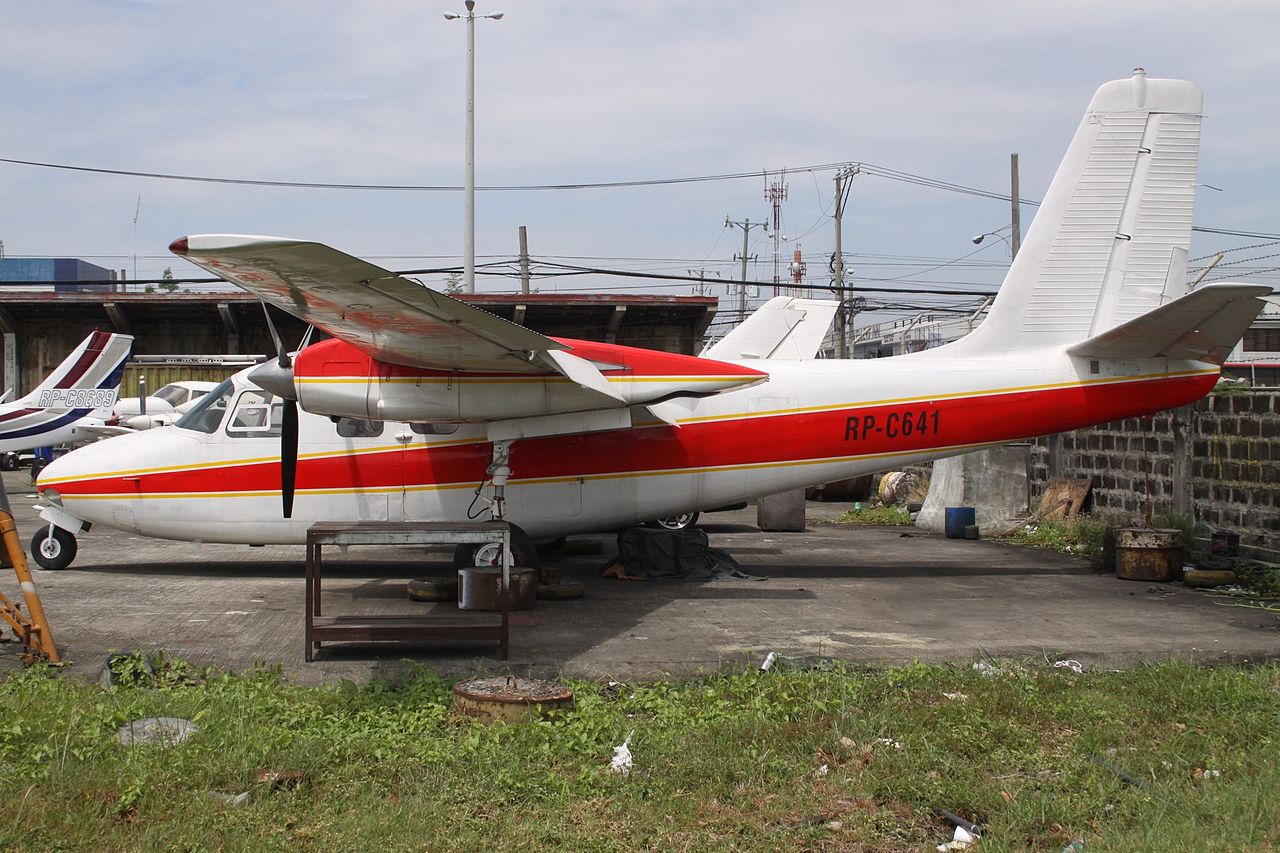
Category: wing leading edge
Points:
column 395, row 320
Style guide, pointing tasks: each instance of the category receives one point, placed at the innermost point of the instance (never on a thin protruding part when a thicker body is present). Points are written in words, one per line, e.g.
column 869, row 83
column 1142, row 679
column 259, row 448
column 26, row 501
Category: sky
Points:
column 372, row 93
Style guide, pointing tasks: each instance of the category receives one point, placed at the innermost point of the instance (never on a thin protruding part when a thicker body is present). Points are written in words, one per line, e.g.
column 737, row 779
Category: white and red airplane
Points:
column 423, row 407
column 72, row 404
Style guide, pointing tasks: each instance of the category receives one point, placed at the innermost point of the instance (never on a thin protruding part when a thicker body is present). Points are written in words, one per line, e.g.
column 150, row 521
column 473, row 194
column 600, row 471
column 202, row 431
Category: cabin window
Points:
column 434, row 429
column 207, row 414
column 257, row 414
column 356, row 428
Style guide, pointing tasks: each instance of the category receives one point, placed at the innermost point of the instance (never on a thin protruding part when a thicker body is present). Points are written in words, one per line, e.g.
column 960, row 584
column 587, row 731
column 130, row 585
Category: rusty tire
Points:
column 433, row 589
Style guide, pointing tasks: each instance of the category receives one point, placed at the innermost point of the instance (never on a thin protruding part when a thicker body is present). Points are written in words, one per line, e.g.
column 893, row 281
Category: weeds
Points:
column 1191, row 530
column 1078, row 535
column 1259, row 577
column 875, row 514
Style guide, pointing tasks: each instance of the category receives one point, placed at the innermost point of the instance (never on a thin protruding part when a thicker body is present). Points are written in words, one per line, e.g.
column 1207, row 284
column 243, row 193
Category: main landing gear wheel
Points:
column 53, row 548
column 9, row 462
column 680, row 521
column 523, row 552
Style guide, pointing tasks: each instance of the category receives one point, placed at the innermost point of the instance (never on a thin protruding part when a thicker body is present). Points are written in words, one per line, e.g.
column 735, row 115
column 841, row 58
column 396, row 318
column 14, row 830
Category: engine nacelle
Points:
column 334, row 378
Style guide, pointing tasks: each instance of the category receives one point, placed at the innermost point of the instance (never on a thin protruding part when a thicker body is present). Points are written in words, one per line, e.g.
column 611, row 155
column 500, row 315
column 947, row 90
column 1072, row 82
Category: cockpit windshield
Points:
column 207, row 414
column 173, row 394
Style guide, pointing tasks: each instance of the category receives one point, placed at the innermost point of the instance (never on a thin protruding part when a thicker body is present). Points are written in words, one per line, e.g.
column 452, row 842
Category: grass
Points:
column 731, row 761
column 1078, row 535
column 876, row 514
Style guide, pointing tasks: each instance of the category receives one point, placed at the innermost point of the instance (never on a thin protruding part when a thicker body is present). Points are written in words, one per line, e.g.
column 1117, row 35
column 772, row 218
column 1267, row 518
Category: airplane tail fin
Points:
column 1110, row 240
column 88, row 378
column 785, row 328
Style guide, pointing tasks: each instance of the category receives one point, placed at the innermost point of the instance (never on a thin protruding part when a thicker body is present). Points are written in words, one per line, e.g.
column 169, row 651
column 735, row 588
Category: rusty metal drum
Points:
column 1148, row 554
column 481, row 589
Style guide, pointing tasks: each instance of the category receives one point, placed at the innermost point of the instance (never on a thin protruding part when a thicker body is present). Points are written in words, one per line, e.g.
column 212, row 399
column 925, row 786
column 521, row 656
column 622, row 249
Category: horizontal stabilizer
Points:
column 1204, row 325
column 784, row 329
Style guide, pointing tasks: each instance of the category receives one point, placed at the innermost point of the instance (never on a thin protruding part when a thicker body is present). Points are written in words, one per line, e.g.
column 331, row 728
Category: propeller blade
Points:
column 288, row 455
column 142, row 395
column 282, row 355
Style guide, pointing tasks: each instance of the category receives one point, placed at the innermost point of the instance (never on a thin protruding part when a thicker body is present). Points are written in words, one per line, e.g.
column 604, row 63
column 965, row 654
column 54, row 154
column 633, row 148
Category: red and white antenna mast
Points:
column 797, row 269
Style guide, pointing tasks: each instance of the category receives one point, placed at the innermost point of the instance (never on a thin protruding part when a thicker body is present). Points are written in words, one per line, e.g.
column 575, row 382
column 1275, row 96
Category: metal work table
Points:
column 400, row 628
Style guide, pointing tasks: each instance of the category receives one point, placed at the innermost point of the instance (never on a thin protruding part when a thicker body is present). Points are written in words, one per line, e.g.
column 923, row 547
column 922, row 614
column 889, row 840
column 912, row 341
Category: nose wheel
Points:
column 53, row 548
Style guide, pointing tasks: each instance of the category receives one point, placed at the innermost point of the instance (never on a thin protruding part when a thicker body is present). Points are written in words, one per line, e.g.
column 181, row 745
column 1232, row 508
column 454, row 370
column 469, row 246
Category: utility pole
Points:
column 1015, row 211
column 701, row 288
column 776, row 194
column 746, row 225
column 844, row 180
column 524, row 260
column 469, row 179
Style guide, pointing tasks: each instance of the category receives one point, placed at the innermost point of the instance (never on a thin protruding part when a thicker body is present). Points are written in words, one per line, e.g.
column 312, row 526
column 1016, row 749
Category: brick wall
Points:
column 1216, row 462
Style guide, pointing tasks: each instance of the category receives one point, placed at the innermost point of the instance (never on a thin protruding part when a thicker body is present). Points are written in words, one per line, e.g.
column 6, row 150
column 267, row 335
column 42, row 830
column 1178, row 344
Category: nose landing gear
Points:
column 53, row 548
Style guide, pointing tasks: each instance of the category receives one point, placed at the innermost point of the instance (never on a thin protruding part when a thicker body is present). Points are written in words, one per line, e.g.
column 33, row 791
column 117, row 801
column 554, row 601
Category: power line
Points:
column 730, row 176
column 866, row 168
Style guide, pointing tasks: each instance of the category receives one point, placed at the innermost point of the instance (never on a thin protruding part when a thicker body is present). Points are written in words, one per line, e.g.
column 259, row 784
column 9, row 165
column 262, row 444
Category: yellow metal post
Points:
column 32, row 629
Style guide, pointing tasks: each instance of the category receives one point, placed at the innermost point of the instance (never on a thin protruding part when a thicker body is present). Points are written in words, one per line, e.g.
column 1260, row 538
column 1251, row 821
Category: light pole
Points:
column 469, row 186
column 1013, row 250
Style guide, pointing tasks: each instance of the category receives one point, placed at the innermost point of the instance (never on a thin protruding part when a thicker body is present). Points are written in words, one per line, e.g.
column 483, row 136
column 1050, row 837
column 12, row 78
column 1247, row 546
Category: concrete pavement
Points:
column 870, row 595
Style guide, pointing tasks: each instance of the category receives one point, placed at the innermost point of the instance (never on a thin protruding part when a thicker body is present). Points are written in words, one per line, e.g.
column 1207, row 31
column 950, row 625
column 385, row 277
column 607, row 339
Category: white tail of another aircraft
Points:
column 87, row 379
column 81, row 389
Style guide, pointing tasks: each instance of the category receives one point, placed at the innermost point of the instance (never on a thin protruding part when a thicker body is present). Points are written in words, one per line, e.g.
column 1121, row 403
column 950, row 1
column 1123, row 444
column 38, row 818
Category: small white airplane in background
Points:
column 73, row 404
column 162, row 408
column 422, row 407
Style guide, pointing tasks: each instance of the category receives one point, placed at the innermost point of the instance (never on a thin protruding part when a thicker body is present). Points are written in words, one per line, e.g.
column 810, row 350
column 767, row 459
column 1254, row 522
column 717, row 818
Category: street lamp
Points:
column 977, row 241
column 469, row 188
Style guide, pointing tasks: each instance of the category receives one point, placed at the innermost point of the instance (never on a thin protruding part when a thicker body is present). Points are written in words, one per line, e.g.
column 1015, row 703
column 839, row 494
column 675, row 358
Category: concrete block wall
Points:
column 1216, row 462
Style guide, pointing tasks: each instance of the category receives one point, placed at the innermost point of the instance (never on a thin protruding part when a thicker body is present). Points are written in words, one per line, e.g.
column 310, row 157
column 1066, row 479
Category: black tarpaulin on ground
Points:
column 651, row 554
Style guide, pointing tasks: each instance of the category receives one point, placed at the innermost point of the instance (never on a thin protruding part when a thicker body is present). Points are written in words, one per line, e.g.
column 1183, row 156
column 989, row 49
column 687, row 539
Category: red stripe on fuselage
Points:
column 856, row 431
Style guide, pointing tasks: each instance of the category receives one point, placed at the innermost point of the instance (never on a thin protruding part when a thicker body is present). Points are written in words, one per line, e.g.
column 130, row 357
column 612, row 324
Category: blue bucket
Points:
column 957, row 518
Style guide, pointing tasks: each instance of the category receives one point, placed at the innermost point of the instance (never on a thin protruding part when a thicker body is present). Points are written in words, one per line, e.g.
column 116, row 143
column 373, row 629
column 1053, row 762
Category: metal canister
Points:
column 481, row 589
column 1148, row 554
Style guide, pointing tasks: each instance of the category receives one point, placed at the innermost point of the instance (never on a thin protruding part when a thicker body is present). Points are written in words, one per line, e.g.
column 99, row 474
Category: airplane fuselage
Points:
column 810, row 422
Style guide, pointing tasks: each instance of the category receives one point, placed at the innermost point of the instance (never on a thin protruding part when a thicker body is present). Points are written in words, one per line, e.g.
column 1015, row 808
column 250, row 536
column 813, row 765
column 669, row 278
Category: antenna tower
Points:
column 776, row 193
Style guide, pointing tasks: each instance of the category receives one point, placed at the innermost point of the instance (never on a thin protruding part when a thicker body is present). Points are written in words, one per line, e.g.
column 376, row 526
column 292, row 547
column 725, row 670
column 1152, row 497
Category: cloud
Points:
column 373, row 93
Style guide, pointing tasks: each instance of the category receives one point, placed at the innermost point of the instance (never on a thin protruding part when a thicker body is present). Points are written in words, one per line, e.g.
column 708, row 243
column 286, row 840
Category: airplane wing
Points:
column 85, row 431
column 393, row 319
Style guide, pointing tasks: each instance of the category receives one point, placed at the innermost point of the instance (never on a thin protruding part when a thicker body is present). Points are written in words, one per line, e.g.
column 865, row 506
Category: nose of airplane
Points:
column 86, row 468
